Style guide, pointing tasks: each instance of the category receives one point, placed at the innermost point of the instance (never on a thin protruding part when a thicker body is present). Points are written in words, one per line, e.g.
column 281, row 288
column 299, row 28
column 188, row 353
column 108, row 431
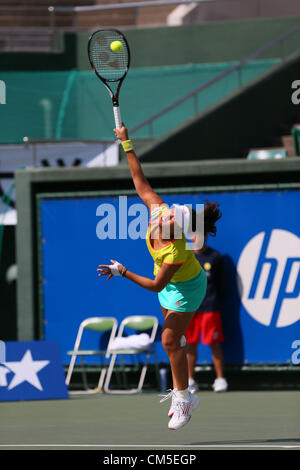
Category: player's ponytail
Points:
column 209, row 216
column 212, row 213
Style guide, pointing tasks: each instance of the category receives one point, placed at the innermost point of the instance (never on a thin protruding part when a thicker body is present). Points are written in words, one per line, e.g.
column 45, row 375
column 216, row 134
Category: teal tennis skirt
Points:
column 184, row 296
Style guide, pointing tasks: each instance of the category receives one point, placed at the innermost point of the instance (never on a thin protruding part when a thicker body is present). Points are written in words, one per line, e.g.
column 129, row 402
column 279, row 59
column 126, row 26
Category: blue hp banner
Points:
column 269, row 270
column 258, row 236
column 31, row 371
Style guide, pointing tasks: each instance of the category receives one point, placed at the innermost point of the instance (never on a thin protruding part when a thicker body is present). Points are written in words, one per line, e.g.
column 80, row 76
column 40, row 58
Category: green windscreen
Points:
column 75, row 104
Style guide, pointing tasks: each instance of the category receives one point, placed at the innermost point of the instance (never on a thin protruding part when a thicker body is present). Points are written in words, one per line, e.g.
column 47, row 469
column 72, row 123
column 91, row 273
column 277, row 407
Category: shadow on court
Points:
column 249, row 441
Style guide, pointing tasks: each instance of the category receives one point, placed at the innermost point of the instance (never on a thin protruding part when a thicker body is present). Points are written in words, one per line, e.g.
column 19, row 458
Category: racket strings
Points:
column 109, row 65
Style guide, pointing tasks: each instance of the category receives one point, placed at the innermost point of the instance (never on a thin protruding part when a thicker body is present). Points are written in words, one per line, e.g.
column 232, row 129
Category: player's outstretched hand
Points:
column 104, row 272
column 110, row 270
column 122, row 133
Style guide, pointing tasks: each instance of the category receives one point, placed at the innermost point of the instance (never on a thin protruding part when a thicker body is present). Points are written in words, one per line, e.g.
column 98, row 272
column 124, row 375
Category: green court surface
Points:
column 234, row 420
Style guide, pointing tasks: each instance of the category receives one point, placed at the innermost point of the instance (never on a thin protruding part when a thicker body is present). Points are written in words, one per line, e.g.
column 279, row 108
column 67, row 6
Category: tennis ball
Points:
column 116, row 46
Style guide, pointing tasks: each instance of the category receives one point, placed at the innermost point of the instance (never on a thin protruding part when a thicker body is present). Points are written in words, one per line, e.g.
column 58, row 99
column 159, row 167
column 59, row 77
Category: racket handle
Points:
column 117, row 115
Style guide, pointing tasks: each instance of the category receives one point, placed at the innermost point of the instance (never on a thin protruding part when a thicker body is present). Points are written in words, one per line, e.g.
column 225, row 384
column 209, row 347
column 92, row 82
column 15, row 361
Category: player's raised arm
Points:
column 141, row 183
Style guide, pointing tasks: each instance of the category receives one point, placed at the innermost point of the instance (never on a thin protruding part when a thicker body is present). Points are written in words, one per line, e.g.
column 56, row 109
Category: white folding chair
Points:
column 98, row 324
column 138, row 323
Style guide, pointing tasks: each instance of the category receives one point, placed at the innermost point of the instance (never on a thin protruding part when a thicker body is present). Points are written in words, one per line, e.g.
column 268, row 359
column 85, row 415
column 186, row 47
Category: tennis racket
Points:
column 111, row 67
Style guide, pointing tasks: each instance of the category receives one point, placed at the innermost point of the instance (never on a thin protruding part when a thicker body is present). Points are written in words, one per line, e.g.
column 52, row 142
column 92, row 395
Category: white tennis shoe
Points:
column 193, row 387
column 183, row 411
column 172, row 395
column 220, row 385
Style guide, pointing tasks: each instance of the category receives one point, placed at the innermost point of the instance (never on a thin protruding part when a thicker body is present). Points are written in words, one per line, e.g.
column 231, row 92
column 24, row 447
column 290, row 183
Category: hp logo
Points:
column 269, row 269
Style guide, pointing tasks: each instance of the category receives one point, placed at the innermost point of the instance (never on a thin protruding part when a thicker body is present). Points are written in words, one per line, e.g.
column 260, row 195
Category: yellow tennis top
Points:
column 174, row 253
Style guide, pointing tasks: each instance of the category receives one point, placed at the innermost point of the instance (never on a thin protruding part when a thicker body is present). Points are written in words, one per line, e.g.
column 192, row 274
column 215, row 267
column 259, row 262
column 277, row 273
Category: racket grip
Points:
column 117, row 115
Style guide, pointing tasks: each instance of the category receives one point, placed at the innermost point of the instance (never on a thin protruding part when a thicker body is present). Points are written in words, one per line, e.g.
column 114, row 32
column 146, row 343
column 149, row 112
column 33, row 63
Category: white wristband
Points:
column 114, row 269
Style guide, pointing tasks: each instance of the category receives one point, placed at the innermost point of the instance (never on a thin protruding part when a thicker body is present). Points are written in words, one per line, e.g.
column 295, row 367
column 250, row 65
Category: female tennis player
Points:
column 179, row 279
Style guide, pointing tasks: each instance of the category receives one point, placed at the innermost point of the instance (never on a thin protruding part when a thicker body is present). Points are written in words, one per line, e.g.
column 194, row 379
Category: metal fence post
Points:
column 52, row 27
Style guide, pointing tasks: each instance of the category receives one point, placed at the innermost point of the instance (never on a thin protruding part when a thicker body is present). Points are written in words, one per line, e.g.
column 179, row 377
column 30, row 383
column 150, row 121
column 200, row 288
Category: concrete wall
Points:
column 210, row 42
column 221, row 10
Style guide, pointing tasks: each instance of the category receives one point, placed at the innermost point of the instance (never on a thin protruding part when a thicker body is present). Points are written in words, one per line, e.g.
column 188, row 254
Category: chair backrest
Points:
column 99, row 323
column 140, row 323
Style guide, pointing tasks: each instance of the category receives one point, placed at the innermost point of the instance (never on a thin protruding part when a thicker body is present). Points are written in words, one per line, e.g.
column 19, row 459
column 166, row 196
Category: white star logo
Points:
column 26, row 371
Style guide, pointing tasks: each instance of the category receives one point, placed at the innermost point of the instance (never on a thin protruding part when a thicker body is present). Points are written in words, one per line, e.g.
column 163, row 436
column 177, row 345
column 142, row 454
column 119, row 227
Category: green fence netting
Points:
column 75, row 104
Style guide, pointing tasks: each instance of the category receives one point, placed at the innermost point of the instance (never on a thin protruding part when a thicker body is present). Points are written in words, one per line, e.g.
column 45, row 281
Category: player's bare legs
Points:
column 174, row 330
column 175, row 326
